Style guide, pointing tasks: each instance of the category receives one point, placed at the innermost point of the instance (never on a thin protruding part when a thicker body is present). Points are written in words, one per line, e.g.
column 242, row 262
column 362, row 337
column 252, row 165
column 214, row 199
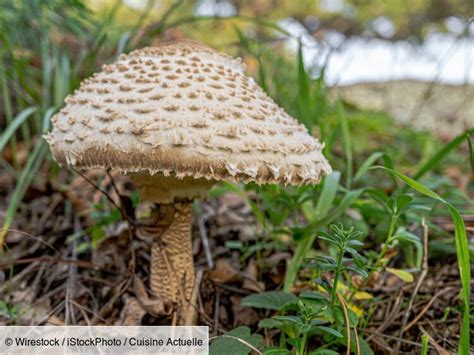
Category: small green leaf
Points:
column 356, row 243
column 324, row 352
column 234, row 244
column 362, row 295
column 406, row 236
column 402, row 202
column 269, row 300
column 291, row 319
column 357, row 270
column 329, row 331
column 276, row 351
column 401, row 274
column 269, row 323
column 236, row 342
column 367, row 164
column 312, row 295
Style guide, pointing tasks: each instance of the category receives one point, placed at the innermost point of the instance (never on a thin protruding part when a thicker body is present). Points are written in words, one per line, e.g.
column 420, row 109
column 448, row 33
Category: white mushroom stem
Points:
column 172, row 268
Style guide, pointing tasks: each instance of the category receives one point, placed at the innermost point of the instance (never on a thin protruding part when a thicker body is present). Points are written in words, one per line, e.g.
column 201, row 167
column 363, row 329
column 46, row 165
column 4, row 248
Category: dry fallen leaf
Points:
column 223, row 272
column 251, row 276
column 132, row 312
column 156, row 307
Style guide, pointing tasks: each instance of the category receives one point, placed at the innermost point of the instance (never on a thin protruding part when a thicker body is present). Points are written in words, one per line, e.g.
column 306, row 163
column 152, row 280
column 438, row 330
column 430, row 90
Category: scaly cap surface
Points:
column 183, row 109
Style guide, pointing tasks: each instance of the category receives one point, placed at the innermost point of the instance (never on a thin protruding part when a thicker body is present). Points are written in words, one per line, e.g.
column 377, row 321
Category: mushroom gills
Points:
column 166, row 189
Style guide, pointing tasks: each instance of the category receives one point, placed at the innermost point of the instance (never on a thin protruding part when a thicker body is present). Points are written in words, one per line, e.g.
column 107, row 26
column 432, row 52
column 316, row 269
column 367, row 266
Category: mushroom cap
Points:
column 183, row 109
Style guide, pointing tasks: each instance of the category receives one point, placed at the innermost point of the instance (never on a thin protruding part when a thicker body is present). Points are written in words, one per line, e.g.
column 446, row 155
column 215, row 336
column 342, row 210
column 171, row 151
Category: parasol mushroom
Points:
column 178, row 118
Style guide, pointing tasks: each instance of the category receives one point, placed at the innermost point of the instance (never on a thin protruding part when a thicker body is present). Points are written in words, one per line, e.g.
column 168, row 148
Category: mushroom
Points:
column 178, row 118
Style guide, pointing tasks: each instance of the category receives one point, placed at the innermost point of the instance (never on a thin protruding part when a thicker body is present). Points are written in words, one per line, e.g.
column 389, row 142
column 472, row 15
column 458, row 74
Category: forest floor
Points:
column 50, row 274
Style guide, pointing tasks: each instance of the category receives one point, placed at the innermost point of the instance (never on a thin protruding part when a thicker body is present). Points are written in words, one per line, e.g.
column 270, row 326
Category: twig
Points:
column 57, row 198
column 427, row 307
column 348, row 325
column 38, row 239
column 123, row 285
column 216, row 314
column 240, row 340
column 47, row 259
column 120, row 208
column 192, row 311
column 391, row 337
column 205, row 240
column 71, row 278
column 439, row 348
column 388, row 349
column 83, row 312
column 131, row 225
column 420, row 280
column 391, row 315
column 357, row 340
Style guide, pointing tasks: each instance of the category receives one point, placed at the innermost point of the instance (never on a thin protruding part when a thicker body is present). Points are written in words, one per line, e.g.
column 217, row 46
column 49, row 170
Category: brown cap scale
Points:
column 178, row 118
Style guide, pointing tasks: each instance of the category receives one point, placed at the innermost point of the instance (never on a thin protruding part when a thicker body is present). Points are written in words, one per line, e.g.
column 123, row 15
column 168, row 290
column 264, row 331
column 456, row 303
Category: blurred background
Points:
column 380, row 82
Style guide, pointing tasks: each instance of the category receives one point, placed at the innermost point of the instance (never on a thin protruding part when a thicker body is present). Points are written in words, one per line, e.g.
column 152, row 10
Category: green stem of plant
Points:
column 382, row 253
column 303, row 343
column 301, row 250
column 393, row 222
column 336, row 277
column 424, row 349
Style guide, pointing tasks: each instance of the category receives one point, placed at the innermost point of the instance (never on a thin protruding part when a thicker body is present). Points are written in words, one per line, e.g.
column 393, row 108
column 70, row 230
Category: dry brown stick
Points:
column 120, row 288
column 420, row 280
column 57, row 198
column 11, row 281
column 86, row 309
column 391, row 337
column 216, row 314
column 439, row 348
column 46, row 259
column 239, row 340
column 56, row 309
column 71, row 278
column 83, row 312
column 131, row 226
column 390, row 317
column 348, row 325
column 427, row 307
column 205, row 240
column 192, row 311
column 35, row 237
column 130, row 220
column 388, row 349
column 357, row 340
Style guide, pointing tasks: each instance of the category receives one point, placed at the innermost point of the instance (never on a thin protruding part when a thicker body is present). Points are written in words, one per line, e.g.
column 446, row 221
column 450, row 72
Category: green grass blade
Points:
column 346, row 202
column 436, row 159
column 328, row 193
column 471, row 153
column 304, row 108
column 33, row 164
column 7, row 101
column 14, row 125
column 462, row 252
column 326, row 199
column 367, row 164
column 346, row 141
column 424, row 342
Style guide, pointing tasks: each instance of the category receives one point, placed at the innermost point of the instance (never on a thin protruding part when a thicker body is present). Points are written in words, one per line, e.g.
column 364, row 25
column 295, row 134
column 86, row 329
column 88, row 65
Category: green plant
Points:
column 344, row 241
column 304, row 320
column 316, row 315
